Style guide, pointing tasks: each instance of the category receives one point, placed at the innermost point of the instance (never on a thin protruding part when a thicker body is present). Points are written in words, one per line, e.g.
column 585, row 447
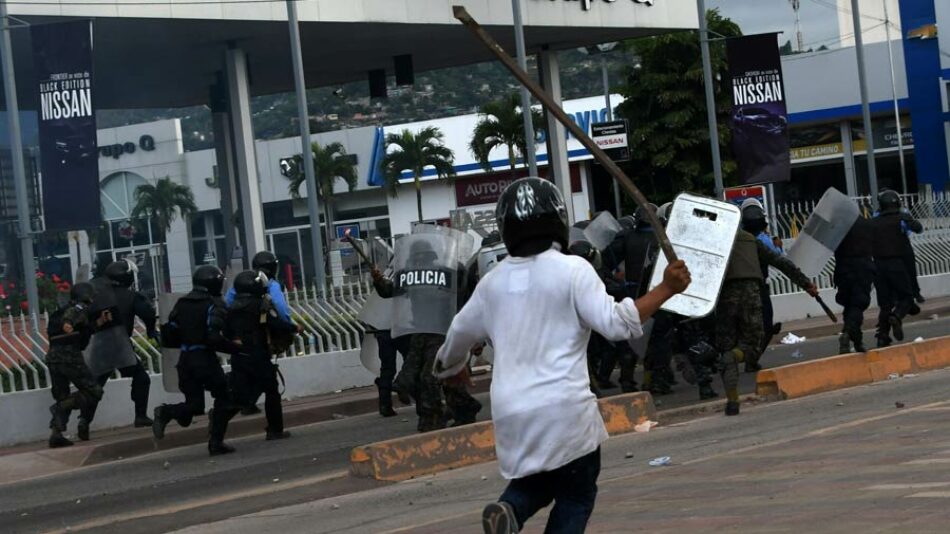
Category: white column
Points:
column 245, row 161
column 224, row 157
column 557, row 135
column 178, row 248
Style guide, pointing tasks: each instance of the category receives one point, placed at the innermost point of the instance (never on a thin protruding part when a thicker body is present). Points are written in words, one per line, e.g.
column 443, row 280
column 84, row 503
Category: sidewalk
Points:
column 35, row 459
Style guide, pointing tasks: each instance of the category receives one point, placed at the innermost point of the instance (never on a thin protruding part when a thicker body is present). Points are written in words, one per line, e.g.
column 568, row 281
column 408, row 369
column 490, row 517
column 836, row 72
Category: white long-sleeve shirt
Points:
column 539, row 312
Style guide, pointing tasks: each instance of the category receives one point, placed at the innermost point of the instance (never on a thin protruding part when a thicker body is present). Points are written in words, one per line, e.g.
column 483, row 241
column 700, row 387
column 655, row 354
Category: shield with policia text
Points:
column 427, row 269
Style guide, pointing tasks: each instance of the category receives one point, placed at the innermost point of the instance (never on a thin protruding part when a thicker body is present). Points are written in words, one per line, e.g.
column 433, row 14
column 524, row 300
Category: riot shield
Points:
column 702, row 231
column 377, row 312
column 602, row 230
column 110, row 349
column 426, row 270
column 369, row 354
column 576, row 234
column 826, row 227
column 166, row 302
column 489, row 257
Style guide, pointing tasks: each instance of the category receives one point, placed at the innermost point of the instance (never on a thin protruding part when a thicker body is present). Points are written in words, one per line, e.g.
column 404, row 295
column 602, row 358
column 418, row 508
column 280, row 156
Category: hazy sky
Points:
column 819, row 18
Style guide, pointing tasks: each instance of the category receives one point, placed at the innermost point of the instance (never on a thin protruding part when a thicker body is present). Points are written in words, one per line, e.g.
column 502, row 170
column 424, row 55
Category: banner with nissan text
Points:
column 760, row 140
column 62, row 60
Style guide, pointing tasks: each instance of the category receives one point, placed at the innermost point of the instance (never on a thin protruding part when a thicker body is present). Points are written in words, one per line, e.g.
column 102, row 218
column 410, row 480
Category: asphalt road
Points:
column 177, row 488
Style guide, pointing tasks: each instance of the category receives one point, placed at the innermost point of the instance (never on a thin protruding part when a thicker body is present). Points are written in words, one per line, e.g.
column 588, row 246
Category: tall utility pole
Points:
column 710, row 98
column 796, row 5
column 897, row 109
column 316, row 239
column 19, row 171
column 865, row 106
column 610, row 111
column 529, row 138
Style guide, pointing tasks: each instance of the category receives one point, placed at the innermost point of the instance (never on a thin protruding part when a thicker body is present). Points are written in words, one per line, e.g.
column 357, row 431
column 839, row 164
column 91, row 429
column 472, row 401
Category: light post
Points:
column 602, row 50
column 529, row 136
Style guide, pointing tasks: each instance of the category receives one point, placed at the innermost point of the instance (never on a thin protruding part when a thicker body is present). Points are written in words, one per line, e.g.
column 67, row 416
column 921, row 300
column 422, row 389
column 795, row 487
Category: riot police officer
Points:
column 111, row 347
column 255, row 322
column 755, row 222
column 69, row 331
column 196, row 325
column 266, row 262
column 895, row 295
column 854, row 274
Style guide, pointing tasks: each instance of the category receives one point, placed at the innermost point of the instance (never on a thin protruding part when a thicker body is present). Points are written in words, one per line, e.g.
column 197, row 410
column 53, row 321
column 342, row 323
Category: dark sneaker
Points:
column 387, row 411
column 707, row 392
column 897, row 327
column 732, row 408
column 142, row 421
column 57, row 441
column 919, row 298
column 499, row 518
column 274, row 436
column 250, row 410
column 217, row 448
column 159, row 422
column 883, row 342
column 914, row 310
column 82, row 432
column 58, row 422
column 844, row 343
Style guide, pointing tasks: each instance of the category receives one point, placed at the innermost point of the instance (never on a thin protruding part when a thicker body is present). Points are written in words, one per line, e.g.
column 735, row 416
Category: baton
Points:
column 831, row 314
column 349, row 239
column 558, row 113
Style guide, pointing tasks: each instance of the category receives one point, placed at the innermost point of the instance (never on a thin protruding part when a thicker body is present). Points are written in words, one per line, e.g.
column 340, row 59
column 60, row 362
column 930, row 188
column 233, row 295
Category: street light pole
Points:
column 610, row 117
column 897, row 110
column 865, row 106
column 19, row 171
column 710, row 98
column 316, row 239
column 531, row 155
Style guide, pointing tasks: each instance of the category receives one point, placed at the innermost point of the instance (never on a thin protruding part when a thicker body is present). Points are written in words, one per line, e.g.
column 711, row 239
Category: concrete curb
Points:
column 423, row 454
column 848, row 370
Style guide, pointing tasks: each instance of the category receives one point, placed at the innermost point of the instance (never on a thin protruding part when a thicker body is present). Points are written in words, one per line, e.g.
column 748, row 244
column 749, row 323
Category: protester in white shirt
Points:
column 538, row 308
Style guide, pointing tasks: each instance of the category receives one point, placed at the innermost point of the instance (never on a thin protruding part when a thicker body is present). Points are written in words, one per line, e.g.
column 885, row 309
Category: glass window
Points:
column 218, row 221
column 200, row 250
column 117, row 195
column 198, row 225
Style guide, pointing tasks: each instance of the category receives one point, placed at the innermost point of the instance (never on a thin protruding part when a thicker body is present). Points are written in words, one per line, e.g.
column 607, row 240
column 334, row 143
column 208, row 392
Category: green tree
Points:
column 330, row 163
column 163, row 202
column 414, row 152
column 502, row 125
column 666, row 107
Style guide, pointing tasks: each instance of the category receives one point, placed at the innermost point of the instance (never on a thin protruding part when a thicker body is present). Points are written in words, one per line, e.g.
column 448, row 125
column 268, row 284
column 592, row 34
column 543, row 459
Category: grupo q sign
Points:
column 586, row 4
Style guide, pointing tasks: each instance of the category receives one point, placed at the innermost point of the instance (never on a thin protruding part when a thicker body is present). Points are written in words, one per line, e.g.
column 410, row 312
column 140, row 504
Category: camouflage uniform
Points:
column 67, row 367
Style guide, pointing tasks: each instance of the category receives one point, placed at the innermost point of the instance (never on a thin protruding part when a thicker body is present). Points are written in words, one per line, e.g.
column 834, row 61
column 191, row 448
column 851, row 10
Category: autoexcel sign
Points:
column 611, row 137
column 586, row 4
column 62, row 63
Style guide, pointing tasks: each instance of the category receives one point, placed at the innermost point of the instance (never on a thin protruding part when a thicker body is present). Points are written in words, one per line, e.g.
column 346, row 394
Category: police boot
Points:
column 274, row 435
column 82, row 432
column 217, row 447
column 685, row 368
column 59, row 419
column 160, row 421
column 142, row 421
column 883, row 342
column 732, row 408
column 430, row 422
column 844, row 343
column 57, row 440
column 707, row 392
column 250, row 409
column 897, row 327
column 857, row 338
column 385, row 401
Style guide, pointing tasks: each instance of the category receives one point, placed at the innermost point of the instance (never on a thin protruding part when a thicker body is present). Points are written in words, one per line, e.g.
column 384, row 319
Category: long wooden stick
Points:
column 554, row 109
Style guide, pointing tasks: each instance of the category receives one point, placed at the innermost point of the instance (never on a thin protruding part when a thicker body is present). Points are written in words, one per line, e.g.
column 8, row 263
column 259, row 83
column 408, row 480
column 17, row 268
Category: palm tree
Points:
column 415, row 152
column 330, row 162
column 502, row 124
column 163, row 202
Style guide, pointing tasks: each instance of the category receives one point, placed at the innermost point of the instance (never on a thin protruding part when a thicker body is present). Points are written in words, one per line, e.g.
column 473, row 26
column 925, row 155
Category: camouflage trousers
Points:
column 738, row 329
column 436, row 403
column 67, row 368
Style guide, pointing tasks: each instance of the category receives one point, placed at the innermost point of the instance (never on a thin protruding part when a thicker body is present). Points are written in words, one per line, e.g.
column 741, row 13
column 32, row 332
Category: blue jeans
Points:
column 572, row 487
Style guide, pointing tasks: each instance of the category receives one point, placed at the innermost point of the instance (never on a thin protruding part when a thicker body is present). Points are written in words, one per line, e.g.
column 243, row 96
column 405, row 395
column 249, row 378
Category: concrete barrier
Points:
column 808, row 378
column 424, row 454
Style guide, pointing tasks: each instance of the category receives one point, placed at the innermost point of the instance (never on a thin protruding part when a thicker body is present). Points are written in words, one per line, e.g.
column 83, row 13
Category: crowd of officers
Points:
column 251, row 325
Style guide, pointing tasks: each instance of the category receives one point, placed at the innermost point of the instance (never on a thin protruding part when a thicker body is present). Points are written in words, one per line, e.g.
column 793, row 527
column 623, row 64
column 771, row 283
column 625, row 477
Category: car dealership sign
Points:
column 586, row 4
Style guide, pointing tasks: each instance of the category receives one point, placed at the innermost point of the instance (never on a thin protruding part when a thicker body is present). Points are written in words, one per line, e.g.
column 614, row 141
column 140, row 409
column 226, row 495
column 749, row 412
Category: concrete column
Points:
column 224, row 156
column 850, row 181
column 178, row 248
column 557, row 134
column 245, row 160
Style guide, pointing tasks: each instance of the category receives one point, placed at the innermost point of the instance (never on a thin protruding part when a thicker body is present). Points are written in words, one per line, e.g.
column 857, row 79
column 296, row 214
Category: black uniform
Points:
column 895, row 295
column 67, row 367
column 253, row 322
column 854, row 274
column 129, row 305
column 200, row 321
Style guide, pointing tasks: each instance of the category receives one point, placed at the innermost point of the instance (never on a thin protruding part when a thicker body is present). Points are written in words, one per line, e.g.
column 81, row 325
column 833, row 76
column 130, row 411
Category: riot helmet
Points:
column 251, row 283
column 492, row 239
column 121, row 273
column 531, row 209
column 889, row 201
column 266, row 262
column 641, row 216
column 589, row 252
column 753, row 216
column 208, row 278
column 82, row 292
column 421, row 254
column 664, row 213
column 628, row 222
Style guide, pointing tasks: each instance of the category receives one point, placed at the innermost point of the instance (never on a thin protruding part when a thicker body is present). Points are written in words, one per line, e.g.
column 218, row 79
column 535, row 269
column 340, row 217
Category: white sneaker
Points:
column 499, row 518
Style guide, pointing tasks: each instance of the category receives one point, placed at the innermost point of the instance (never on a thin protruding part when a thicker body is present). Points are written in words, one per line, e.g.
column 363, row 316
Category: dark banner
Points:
column 62, row 59
column 759, row 117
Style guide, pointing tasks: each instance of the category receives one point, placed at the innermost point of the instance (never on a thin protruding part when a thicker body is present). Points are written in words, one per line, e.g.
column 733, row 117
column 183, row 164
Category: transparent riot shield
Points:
column 166, row 301
column 602, row 230
column 427, row 267
column 489, row 257
column 377, row 312
column 369, row 354
column 702, row 231
column 110, row 349
column 823, row 232
column 575, row 235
